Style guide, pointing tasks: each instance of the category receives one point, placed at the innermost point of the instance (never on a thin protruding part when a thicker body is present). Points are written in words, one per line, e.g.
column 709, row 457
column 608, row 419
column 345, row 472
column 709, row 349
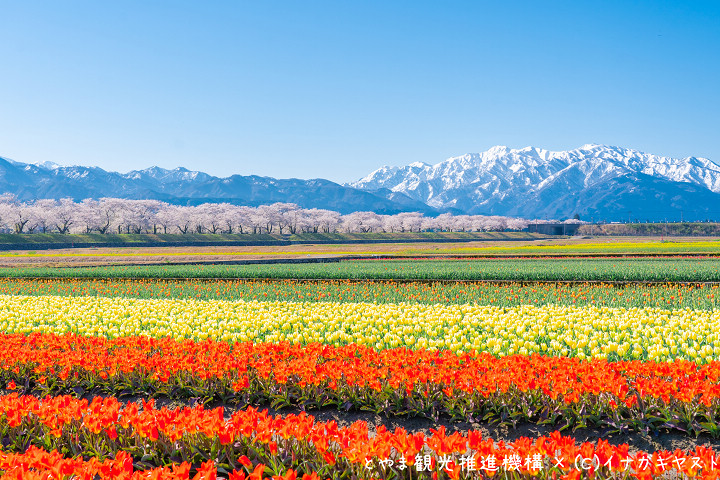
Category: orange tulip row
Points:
column 287, row 446
column 400, row 381
column 38, row 464
column 356, row 365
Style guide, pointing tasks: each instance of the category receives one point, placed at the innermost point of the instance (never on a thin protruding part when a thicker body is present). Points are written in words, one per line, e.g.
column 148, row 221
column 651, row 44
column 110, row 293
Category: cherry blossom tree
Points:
column 328, row 220
column 16, row 215
column 166, row 218
column 183, row 219
column 66, row 215
column 286, row 216
column 44, row 213
column 113, row 215
column 243, row 218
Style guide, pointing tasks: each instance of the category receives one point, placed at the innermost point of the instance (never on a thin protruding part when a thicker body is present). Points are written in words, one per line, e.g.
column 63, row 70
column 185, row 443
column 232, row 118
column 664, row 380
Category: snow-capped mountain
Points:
column 593, row 180
column 182, row 186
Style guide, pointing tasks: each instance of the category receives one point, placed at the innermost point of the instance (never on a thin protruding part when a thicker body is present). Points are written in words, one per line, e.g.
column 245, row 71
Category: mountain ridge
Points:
column 505, row 181
column 593, row 181
column 186, row 187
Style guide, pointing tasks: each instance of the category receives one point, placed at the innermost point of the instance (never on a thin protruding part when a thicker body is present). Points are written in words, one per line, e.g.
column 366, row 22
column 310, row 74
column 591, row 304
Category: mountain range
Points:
column 593, row 181
column 184, row 187
column 596, row 182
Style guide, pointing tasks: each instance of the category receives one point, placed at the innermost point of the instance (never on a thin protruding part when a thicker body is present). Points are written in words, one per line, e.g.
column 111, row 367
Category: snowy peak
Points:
column 48, row 165
column 164, row 175
column 538, row 164
column 501, row 178
column 418, row 165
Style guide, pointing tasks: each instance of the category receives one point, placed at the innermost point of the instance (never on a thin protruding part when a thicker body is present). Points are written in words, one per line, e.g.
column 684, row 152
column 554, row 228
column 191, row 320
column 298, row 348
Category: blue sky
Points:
column 336, row 89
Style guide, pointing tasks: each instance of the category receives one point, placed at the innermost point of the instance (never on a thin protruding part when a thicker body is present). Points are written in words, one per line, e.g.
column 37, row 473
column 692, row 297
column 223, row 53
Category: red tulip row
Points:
column 39, row 464
column 255, row 445
column 554, row 390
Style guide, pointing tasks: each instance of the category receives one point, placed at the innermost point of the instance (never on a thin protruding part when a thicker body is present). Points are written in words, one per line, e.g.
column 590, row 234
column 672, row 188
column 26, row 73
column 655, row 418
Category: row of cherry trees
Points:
column 114, row 215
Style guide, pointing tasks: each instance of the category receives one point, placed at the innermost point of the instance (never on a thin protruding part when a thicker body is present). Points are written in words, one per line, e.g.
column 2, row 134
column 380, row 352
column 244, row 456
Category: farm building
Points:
column 554, row 228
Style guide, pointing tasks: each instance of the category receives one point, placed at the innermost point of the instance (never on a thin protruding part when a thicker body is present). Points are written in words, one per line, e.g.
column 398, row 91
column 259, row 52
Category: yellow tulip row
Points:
column 601, row 332
column 652, row 245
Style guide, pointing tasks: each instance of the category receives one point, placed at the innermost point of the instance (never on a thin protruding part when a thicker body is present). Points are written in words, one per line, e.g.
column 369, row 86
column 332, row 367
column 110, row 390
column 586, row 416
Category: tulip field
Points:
column 674, row 269
column 190, row 372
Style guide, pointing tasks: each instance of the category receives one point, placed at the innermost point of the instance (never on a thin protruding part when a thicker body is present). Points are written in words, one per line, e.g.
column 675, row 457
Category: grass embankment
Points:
column 47, row 240
column 521, row 270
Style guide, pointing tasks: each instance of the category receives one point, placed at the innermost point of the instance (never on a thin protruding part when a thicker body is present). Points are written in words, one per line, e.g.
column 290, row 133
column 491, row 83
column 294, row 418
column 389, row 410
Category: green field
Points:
column 592, row 248
column 705, row 297
column 597, row 269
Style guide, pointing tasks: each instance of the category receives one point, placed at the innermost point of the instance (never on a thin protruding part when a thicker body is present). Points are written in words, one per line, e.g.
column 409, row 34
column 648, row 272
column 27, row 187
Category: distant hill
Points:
column 183, row 187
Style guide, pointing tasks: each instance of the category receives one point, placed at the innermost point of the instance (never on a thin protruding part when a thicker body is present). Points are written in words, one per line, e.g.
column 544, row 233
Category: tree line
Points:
column 121, row 216
column 675, row 229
